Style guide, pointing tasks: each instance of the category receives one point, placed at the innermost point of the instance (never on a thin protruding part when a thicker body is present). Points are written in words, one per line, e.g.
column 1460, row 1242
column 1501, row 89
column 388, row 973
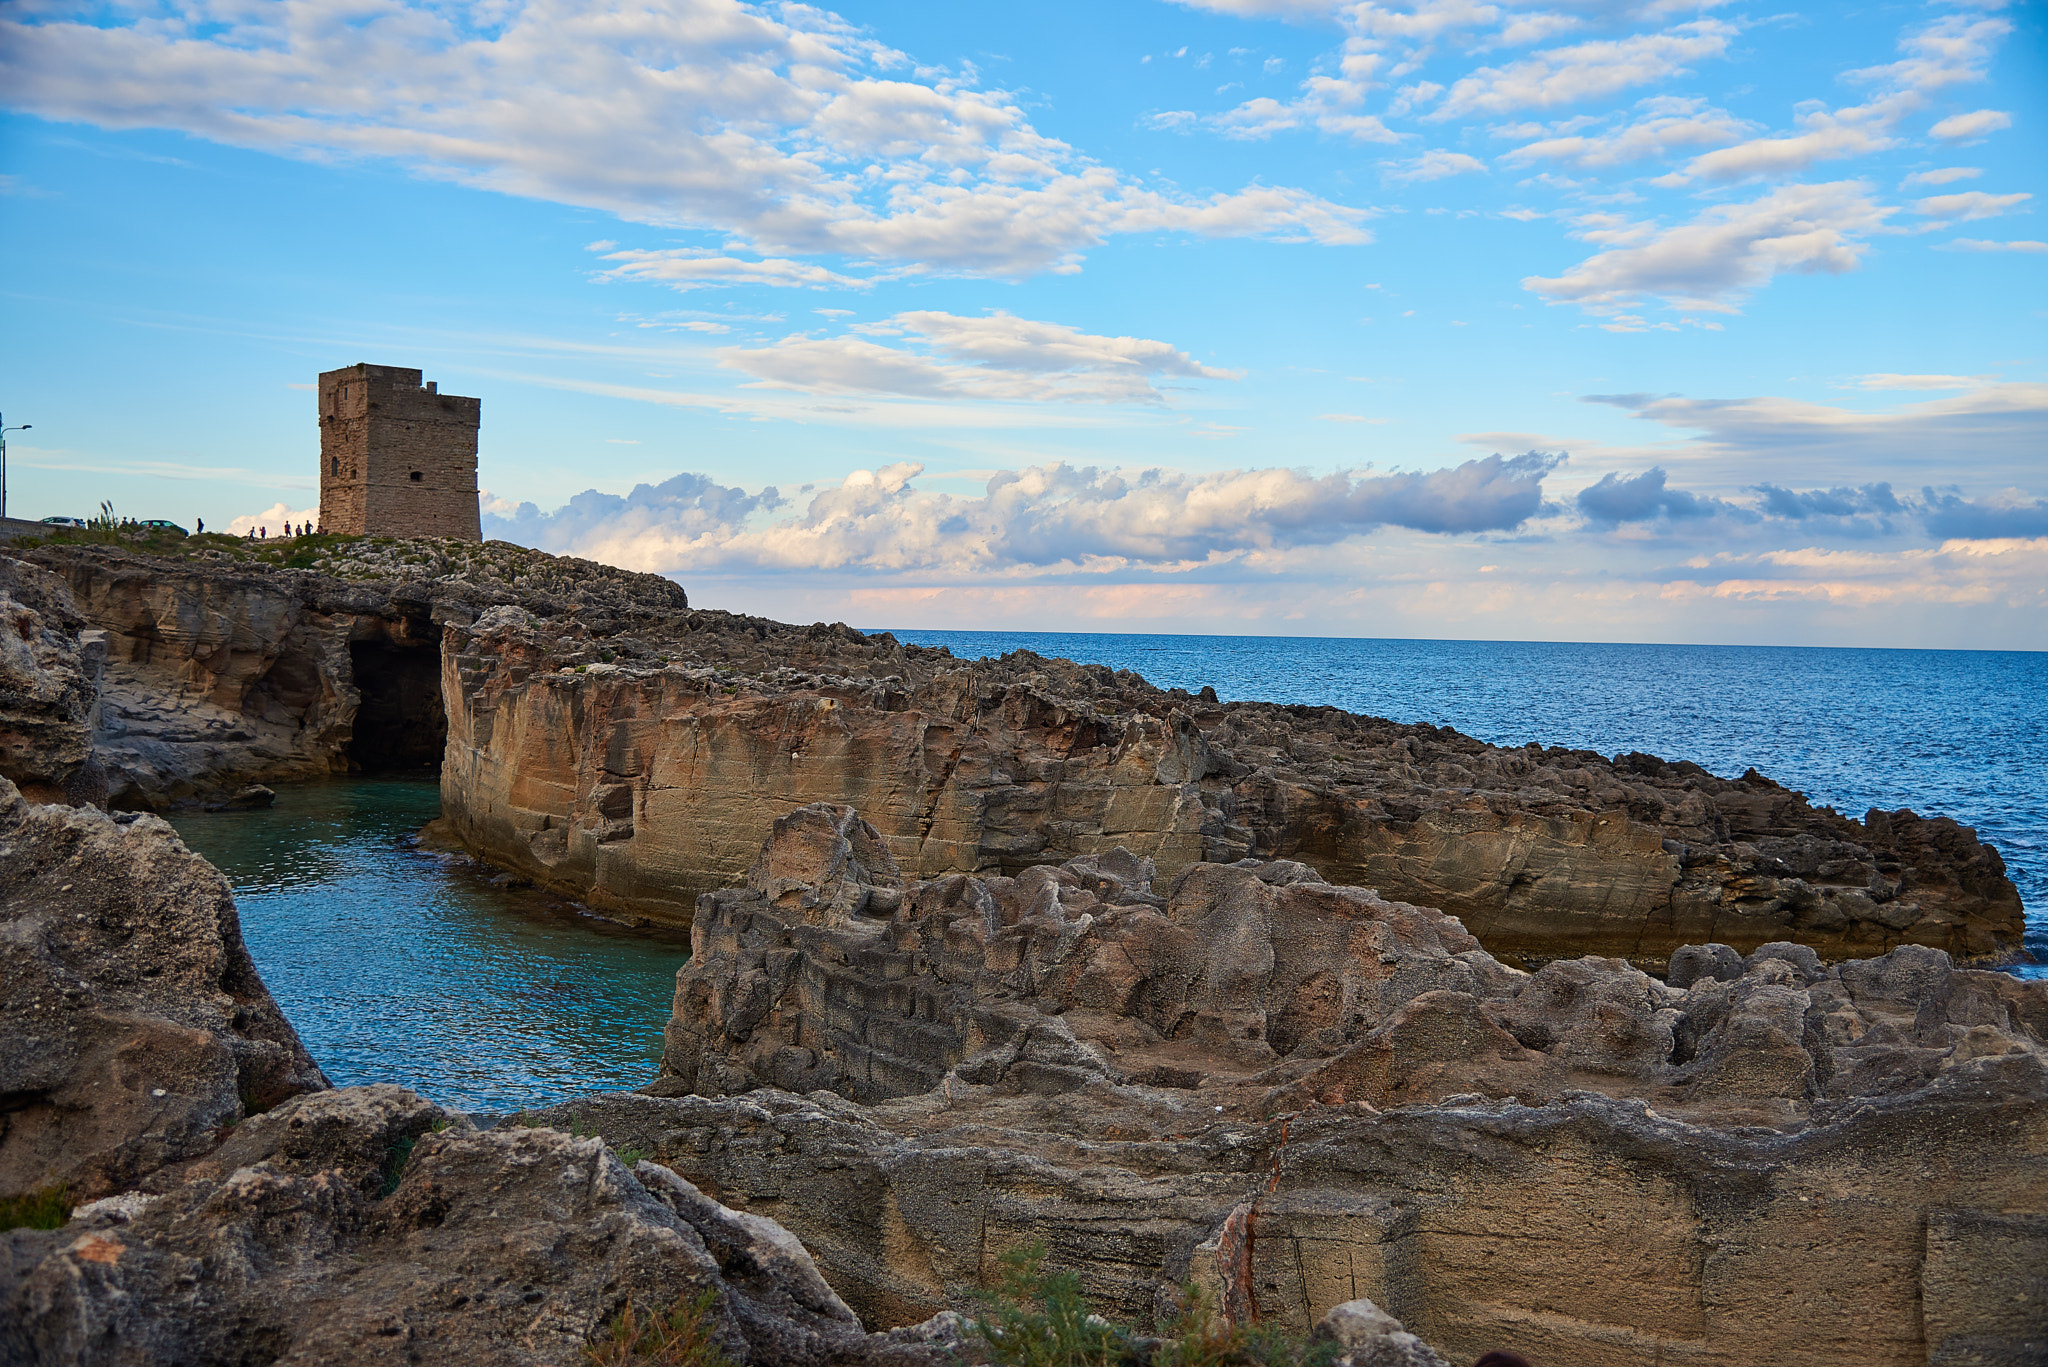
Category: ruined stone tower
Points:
column 397, row 458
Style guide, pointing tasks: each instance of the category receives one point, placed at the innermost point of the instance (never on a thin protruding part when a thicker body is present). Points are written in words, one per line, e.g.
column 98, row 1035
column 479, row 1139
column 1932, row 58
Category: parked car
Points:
column 65, row 522
column 158, row 524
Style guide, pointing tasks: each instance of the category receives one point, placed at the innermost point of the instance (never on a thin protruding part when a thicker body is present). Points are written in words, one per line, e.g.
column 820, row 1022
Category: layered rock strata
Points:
column 1302, row 1093
column 222, row 671
column 603, row 738
column 639, row 783
column 134, row 1029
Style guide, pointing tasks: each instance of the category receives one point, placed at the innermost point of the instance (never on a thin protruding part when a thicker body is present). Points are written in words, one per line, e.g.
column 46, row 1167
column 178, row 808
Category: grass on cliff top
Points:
column 48, row 1208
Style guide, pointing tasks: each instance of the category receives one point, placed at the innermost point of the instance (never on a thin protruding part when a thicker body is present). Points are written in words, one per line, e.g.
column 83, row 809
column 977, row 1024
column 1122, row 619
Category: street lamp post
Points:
column 4, row 430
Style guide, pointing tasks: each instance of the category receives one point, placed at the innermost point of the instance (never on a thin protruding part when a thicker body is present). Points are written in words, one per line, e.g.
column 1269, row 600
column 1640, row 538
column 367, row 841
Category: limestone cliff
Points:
column 1298, row 1093
column 600, row 736
column 639, row 773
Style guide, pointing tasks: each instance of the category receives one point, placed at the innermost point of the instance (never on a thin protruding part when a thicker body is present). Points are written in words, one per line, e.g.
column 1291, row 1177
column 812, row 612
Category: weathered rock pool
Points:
column 400, row 965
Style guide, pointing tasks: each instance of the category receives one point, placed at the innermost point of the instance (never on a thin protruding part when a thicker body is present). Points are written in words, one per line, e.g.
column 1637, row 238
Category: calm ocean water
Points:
column 1956, row 733
column 402, row 966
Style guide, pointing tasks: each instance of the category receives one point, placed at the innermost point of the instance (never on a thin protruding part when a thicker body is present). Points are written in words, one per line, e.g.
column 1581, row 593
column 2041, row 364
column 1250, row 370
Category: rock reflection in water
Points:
column 398, row 965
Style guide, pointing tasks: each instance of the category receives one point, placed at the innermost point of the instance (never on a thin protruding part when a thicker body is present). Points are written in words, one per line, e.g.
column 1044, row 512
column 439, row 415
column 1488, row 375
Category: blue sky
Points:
column 1586, row 320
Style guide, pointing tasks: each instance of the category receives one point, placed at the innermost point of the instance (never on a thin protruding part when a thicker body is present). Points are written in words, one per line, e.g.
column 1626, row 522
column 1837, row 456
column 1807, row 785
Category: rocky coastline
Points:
column 1015, row 952
column 598, row 735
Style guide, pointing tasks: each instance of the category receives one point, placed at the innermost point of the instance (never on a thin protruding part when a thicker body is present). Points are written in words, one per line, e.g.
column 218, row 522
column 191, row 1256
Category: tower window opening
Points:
column 417, row 477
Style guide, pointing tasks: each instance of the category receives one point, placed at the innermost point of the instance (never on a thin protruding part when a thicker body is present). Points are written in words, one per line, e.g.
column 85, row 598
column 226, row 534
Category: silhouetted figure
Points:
column 1501, row 1357
column 200, row 523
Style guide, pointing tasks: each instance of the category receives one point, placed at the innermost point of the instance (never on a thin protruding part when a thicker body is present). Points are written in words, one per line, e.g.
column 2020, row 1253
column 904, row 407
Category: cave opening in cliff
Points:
column 400, row 723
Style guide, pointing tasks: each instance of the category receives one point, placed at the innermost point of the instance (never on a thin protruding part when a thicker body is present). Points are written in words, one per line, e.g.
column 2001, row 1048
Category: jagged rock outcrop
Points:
column 368, row 1226
column 133, row 1026
column 604, row 739
column 50, row 668
column 1263, row 981
column 1300, row 1094
column 222, row 670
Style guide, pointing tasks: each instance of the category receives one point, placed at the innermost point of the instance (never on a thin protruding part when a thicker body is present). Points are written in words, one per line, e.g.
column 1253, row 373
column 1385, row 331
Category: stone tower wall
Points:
column 397, row 458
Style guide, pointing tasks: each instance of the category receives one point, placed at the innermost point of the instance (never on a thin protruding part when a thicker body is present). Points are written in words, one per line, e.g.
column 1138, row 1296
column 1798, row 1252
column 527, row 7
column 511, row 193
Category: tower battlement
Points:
column 397, row 457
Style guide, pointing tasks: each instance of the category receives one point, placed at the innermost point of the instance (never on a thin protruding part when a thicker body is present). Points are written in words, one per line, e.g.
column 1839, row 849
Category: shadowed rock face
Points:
column 611, row 743
column 50, row 667
column 133, row 1026
column 1300, row 1093
column 367, row 1226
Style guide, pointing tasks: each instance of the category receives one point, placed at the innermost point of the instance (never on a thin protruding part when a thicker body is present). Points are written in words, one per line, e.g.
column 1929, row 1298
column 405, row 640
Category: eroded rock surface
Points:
column 222, row 671
column 1301, row 1094
column 50, row 668
column 367, row 1226
column 827, row 972
column 640, row 780
column 603, row 738
column 133, row 1025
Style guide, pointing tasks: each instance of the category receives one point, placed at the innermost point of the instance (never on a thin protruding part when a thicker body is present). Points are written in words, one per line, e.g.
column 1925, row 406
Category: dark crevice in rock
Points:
column 400, row 723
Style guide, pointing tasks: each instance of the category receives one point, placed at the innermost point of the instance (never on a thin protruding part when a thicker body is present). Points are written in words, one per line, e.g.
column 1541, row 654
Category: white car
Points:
column 66, row 522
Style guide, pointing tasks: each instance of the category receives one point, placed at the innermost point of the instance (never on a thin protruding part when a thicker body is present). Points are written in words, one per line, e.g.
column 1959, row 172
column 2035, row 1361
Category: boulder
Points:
column 50, row 668
column 134, row 1029
column 367, row 1226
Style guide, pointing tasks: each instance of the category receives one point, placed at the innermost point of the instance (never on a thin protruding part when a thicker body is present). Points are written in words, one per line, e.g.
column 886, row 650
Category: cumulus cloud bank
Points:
column 1050, row 517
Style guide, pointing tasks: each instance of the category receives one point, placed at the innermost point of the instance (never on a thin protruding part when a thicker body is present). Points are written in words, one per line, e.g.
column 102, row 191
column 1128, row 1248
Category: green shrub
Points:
column 682, row 1338
column 48, row 1208
column 1037, row 1318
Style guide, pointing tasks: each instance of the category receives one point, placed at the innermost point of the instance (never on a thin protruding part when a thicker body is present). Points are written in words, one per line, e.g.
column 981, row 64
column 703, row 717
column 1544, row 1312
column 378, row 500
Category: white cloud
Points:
column 1433, row 165
column 1667, row 124
column 1328, row 104
column 1585, row 71
column 1978, row 244
column 1826, row 137
column 688, row 268
column 1722, row 255
column 1962, row 127
column 1970, row 204
column 1029, row 521
column 271, row 520
column 1751, row 440
column 1946, row 175
column 1889, row 380
column 998, row 357
column 786, row 132
column 1954, row 50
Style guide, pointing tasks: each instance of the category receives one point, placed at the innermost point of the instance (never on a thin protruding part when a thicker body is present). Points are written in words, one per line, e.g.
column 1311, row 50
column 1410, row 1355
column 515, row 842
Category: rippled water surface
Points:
column 1946, row 732
column 399, row 966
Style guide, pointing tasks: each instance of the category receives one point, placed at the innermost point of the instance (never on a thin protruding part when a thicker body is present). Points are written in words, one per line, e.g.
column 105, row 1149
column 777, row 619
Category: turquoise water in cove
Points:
column 403, row 966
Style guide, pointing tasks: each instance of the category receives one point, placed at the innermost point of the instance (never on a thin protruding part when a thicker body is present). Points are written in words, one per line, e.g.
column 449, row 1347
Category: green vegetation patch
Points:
column 681, row 1338
column 48, row 1208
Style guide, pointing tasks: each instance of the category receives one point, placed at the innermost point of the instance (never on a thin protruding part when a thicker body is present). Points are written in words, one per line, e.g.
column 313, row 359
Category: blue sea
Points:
column 1957, row 733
